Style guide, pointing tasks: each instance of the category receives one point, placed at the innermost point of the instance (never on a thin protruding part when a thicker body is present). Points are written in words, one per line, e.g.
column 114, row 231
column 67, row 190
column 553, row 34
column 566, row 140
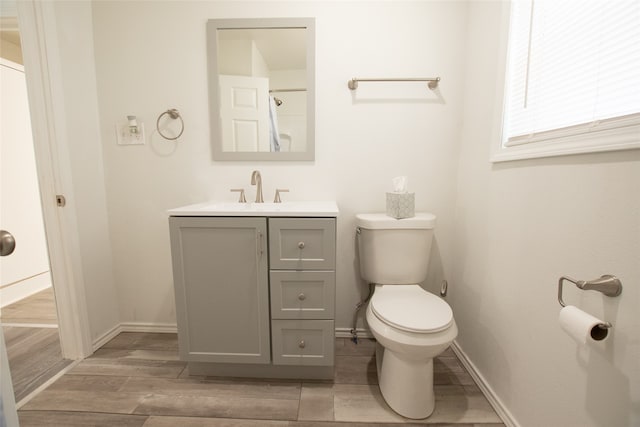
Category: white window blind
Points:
column 573, row 70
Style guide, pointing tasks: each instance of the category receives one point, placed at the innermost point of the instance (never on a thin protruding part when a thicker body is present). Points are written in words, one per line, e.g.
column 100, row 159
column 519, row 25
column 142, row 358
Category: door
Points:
column 27, row 315
column 221, row 284
column 27, row 270
column 244, row 113
column 39, row 42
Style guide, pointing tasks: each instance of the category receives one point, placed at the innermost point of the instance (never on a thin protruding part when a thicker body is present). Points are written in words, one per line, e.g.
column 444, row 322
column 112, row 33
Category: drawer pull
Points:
column 302, row 344
column 301, row 245
column 302, row 297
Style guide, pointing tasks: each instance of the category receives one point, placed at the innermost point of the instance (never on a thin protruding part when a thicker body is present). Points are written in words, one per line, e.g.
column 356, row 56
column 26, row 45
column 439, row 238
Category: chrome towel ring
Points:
column 174, row 114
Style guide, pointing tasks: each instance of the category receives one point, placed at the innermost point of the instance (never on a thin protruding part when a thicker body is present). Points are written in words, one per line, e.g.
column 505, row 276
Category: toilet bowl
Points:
column 410, row 324
column 405, row 350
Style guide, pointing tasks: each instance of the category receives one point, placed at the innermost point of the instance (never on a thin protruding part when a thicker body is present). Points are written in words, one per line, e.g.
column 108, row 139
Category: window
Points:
column 573, row 78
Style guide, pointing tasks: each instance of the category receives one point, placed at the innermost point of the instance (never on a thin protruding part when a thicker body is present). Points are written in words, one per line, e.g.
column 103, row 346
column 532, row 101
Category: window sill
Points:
column 622, row 138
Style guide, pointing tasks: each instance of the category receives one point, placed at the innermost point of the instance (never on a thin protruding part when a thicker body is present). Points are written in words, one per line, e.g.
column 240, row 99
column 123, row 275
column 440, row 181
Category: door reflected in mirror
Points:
column 261, row 87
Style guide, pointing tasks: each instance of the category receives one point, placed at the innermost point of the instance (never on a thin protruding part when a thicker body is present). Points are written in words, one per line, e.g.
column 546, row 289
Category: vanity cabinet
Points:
column 255, row 296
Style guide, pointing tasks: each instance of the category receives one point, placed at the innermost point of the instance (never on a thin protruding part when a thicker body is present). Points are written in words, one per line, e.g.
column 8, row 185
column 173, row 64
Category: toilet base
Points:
column 406, row 384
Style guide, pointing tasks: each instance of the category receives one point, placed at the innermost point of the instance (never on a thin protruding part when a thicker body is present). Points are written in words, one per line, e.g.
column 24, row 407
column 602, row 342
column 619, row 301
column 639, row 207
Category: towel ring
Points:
column 174, row 114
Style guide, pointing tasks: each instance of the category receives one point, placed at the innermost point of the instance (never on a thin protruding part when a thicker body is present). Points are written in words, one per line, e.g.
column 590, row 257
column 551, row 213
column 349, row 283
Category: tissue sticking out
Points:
column 400, row 184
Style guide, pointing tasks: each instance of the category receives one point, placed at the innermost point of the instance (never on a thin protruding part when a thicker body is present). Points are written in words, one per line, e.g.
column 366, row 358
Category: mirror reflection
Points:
column 261, row 103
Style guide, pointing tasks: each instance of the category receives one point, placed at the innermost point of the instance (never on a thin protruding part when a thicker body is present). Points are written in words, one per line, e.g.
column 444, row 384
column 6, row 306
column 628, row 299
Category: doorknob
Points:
column 7, row 243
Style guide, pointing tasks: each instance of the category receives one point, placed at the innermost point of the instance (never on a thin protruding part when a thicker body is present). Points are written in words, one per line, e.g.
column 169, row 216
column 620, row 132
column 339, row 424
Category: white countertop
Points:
column 288, row 209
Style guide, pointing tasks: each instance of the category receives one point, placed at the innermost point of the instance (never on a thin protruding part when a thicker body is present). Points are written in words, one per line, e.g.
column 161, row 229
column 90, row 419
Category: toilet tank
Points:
column 394, row 251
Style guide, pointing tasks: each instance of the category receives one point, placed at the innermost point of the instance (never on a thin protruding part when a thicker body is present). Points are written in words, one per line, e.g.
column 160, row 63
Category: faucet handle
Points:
column 241, row 199
column 278, row 191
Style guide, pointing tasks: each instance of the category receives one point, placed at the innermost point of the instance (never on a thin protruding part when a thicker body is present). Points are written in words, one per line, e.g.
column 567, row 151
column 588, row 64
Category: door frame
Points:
column 37, row 24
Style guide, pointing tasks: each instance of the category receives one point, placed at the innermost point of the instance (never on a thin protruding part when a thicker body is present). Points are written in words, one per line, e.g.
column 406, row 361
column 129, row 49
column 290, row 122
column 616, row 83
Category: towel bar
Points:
column 433, row 81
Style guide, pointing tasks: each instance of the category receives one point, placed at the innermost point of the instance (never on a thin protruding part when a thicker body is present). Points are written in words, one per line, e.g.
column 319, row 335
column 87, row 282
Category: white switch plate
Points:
column 124, row 137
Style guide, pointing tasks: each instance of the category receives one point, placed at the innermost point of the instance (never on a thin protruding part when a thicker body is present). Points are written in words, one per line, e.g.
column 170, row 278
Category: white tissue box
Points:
column 401, row 205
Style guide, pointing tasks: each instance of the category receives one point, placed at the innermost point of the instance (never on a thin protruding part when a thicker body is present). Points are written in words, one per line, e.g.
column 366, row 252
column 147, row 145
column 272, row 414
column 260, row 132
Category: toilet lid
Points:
column 411, row 308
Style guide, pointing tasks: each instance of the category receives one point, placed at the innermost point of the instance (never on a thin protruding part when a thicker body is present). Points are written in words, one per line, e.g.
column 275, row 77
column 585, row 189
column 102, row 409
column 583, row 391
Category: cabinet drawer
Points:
column 302, row 342
column 302, row 294
column 302, row 243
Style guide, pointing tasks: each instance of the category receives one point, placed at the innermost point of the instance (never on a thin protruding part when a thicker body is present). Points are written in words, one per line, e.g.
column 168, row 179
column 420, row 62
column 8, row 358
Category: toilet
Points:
column 410, row 324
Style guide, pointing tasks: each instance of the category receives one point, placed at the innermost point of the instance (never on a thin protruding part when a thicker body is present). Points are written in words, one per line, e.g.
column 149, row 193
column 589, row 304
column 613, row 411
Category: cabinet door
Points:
column 302, row 243
column 221, row 284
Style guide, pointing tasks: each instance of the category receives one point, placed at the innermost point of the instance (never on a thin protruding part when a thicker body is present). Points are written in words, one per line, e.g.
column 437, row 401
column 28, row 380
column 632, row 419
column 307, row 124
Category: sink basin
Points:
column 294, row 209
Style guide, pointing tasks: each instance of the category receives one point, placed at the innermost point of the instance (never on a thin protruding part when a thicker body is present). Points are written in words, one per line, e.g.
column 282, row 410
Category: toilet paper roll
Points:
column 581, row 326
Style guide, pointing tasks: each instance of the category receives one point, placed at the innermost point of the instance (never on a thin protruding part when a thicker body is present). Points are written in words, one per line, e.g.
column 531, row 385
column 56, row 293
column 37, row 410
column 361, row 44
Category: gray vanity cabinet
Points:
column 221, row 287
column 255, row 296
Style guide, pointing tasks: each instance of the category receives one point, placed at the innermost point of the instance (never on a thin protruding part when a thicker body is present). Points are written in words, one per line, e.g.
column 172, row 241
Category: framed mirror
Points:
column 262, row 88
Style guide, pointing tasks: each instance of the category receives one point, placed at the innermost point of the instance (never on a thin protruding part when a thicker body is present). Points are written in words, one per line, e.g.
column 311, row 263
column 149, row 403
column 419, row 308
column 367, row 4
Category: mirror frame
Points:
column 213, row 25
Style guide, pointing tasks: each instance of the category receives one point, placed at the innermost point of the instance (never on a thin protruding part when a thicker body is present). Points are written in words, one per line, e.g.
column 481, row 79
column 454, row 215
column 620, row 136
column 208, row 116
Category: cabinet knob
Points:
column 302, row 297
column 301, row 245
column 302, row 344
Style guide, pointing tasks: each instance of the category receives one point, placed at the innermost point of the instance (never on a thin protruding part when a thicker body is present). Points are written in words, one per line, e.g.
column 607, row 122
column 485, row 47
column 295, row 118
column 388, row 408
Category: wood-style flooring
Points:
column 136, row 379
column 37, row 309
column 34, row 352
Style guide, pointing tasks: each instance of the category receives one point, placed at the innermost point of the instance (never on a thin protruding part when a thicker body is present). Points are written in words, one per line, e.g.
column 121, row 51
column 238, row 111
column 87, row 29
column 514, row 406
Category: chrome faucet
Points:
column 256, row 179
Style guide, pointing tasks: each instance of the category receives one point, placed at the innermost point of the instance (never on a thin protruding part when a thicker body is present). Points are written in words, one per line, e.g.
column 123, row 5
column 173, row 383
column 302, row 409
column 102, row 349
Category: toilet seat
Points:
column 410, row 308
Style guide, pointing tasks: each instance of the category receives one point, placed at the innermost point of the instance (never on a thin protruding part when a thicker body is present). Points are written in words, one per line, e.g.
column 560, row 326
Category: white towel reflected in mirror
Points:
column 274, row 136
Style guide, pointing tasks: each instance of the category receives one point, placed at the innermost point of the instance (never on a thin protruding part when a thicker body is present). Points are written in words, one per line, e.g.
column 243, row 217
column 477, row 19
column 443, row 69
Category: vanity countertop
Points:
column 327, row 209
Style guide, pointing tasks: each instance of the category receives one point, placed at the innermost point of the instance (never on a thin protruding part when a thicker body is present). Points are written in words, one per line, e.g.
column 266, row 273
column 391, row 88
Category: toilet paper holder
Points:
column 607, row 284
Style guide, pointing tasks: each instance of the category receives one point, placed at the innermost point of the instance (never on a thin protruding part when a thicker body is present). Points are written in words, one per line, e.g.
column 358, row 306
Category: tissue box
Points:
column 401, row 205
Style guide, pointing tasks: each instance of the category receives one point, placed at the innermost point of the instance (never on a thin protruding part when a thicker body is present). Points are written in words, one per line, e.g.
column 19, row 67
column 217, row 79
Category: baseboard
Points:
column 162, row 328
column 491, row 396
column 106, row 337
column 24, row 288
column 32, row 325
